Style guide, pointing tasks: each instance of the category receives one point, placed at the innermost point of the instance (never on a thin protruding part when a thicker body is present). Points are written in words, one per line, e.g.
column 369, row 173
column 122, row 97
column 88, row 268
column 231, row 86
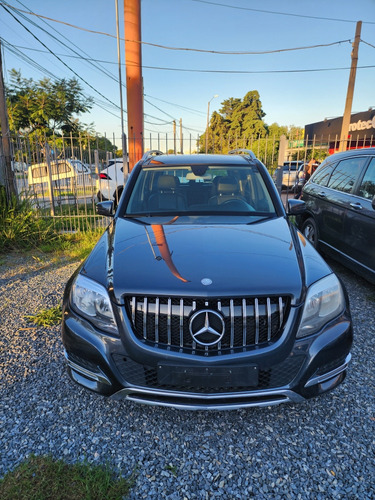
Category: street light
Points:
column 208, row 119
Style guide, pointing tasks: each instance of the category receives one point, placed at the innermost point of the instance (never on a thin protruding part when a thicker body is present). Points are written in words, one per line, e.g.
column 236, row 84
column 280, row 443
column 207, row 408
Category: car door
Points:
column 334, row 201
column 360, row 220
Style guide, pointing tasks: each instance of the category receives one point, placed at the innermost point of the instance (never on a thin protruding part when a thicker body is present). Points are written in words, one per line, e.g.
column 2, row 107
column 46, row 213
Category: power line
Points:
column 58, row 40
column 208, row 71
column 45, row 71
column 189, row 49
column 369, row 44
column 57, row 57
column 319, row 18
column 78, row 55
column 245, row 72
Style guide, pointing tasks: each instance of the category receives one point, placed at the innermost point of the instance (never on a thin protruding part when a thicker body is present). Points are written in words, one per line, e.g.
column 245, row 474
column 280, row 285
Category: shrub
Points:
column 20, row 225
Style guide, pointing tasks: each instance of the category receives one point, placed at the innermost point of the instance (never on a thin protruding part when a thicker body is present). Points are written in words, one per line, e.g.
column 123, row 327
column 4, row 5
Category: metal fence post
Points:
column 280, row 162
column 50, row 186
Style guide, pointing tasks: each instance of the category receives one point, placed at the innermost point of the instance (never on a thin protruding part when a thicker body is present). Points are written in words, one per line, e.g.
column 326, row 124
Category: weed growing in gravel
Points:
column 49, row 479
column 46, row 317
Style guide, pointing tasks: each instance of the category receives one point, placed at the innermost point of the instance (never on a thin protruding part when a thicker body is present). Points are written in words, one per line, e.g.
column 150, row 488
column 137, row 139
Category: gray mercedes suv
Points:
column 202, row 294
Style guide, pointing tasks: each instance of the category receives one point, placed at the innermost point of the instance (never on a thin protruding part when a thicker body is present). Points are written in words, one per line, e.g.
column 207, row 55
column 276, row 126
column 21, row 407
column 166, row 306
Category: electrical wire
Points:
column 57, row 57
column 89, row 60
column 369, row 44
column 184, row 48
column 319, row 18
column 80, row 56
column 211, row 71
column 245, row 72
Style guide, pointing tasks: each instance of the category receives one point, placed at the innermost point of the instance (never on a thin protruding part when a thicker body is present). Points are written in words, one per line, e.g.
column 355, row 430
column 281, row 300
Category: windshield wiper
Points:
column 261, row 218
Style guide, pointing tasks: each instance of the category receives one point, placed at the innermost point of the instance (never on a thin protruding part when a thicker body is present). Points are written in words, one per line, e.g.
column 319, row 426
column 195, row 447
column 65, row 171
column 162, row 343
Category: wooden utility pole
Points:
column 181, row 138
column 5, row 138
column 134, row 92
column 350, row 92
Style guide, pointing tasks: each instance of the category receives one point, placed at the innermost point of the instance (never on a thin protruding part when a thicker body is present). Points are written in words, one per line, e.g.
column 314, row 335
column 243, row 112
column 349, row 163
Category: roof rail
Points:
column 152, row 152
column 244, row 151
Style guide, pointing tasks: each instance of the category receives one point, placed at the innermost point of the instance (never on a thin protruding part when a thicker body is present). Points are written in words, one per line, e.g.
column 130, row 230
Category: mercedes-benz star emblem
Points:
column 206, row 281
column 207, row 327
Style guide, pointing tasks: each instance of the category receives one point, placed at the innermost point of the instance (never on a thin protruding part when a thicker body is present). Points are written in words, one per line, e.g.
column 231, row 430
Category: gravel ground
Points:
column 324, row 448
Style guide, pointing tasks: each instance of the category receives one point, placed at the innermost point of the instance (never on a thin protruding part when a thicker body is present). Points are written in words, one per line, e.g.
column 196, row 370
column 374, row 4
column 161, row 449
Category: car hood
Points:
column 209, row 260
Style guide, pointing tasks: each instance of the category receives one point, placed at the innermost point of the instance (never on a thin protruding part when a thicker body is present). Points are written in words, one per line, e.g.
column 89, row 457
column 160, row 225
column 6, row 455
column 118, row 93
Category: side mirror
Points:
column 296, row 207
column 373, row 203
column 105, row 208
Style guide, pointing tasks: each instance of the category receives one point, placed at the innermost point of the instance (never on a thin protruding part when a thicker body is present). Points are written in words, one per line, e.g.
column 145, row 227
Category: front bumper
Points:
column 100, row 363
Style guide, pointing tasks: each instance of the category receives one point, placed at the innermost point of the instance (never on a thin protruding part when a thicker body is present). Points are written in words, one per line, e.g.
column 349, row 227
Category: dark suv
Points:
column 340, row 209
column 202, row 293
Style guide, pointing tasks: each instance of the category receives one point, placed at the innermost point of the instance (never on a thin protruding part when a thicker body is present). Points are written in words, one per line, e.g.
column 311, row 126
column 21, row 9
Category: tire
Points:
column 310, row 231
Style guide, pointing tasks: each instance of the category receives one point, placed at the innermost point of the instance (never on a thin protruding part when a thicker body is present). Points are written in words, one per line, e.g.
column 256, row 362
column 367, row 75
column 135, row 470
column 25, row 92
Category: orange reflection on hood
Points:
column 165, row 253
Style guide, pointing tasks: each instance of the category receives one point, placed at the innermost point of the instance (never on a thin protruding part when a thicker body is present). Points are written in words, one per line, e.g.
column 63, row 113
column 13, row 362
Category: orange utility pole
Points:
column 350, row 92
column 134, row 87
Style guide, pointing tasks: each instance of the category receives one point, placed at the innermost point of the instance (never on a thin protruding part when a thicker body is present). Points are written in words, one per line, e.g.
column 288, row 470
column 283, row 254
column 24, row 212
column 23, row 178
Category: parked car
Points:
column 291, row 170
column 111, row 180
column 340, row 209
column 202, row 294
column 20, row 167
column 62, row 172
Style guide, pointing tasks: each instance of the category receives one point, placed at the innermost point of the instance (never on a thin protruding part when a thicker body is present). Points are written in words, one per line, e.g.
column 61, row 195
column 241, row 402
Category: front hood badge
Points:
column 206, row 281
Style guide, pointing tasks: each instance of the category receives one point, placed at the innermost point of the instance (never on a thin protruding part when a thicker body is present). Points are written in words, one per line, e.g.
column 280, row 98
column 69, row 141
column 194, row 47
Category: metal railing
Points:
column 69, row 198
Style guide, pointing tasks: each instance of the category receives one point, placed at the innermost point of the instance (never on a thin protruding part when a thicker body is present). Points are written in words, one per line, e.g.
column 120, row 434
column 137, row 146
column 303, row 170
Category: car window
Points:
column 322, row 174
column 200, row 189
column 346, row 173
column 367, row 187
column 290, row 166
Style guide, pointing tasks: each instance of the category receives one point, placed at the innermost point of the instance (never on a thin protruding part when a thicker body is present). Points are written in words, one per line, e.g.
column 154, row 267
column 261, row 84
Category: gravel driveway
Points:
column 324, row 448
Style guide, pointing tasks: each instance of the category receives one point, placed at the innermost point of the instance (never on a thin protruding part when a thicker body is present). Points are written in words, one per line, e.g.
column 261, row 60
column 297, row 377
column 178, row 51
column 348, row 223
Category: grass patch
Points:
column 23, row 228
column 43, row 478
column 46, row 317
column 75, row 246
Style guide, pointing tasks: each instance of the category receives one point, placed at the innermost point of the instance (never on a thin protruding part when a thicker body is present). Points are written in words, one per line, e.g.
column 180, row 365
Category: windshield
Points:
column 200, row 190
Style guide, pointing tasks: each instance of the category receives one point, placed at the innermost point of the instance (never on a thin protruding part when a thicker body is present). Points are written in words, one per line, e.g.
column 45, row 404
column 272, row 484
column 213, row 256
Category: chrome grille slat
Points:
column 163, row 322
column 268, row 319
column 256, row 306
column 181, row 322
column 169, row 320
column 244, row 322
column 157, row 311
column 281, row 310
column 145, row 318
column 231, row 323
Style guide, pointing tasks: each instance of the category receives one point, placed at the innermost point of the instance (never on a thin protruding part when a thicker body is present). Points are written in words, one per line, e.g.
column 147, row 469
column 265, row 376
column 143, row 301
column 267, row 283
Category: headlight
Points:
column 91, row 300
column 325, row 300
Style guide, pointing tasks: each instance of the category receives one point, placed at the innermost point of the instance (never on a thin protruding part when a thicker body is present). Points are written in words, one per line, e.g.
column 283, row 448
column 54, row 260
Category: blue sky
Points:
column 291, row 98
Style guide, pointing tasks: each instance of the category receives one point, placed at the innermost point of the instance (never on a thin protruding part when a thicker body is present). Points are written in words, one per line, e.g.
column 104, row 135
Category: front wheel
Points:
column 310, row 231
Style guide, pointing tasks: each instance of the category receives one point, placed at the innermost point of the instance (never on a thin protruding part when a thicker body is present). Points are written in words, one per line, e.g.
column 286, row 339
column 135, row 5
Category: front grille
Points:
column 163, row 322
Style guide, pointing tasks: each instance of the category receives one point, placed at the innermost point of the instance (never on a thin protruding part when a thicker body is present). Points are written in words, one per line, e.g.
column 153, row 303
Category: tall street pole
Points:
column 208, row 120
column 134, row 87
column 123, row 144
column 350, row 92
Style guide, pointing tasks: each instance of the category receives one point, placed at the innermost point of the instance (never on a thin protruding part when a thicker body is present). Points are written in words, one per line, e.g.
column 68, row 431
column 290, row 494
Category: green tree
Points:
column 45, row 107
column 238, row 120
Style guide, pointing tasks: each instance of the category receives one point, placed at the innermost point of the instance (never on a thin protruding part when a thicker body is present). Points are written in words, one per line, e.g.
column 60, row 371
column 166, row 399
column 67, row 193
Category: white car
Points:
column 110, row 183
column 291, row 170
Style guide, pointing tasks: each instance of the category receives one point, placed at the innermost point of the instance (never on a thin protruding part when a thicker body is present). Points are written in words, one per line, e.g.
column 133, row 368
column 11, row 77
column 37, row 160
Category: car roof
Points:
column 351, row 152
column 197, row 159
